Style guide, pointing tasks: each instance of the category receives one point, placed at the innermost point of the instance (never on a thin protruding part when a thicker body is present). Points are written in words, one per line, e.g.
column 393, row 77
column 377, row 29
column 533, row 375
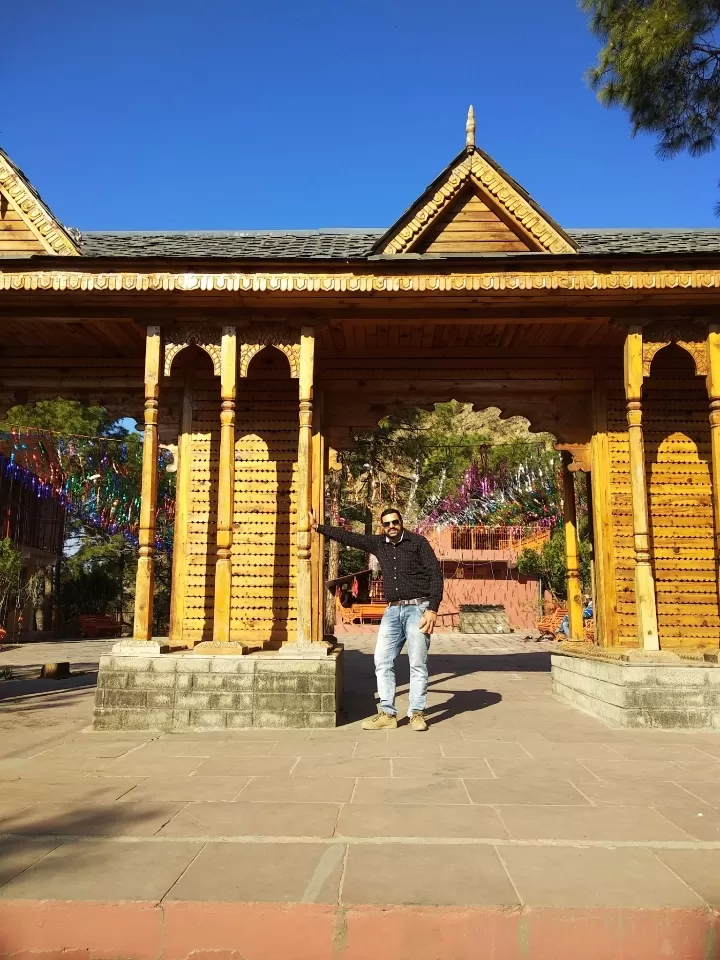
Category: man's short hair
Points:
column 389, row 510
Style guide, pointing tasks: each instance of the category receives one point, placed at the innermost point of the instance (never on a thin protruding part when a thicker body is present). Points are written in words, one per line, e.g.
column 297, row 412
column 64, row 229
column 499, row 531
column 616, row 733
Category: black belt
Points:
column 408, row 603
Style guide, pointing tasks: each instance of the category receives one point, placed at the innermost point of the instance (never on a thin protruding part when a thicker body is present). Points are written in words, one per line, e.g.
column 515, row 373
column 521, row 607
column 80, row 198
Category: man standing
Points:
column 413, row 581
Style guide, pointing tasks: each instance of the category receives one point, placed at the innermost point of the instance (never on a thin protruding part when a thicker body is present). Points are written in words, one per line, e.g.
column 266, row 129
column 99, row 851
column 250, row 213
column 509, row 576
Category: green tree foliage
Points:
column 549, row 564
column 91, row 578
column 66, row 417
column 418, row 458
column 411, row 459
column 100, row 578
column 11, row 567
column 661, row 62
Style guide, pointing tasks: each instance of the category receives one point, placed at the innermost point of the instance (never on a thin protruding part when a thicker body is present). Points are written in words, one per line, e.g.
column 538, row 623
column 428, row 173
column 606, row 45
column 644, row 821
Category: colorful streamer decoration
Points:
column 96, row 479
column 529, row 495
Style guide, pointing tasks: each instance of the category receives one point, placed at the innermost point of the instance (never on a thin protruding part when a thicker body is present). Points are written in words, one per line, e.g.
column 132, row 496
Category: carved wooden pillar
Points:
column 574, row 588
column 713, row 388
column 144, row 583
column 645, row 601
column 318, row 505
column 182, row 509
column 304, row 487
column 605, row 602
column 334, row 483
column 226, row 487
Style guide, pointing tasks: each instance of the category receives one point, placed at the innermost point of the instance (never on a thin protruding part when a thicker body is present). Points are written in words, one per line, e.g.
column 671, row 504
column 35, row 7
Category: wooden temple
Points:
column 260, row 354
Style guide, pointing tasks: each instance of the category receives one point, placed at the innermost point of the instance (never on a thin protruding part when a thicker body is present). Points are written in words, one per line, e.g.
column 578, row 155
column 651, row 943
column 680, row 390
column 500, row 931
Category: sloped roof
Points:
column 17, row 191
column 348, row 244
column 325, row 244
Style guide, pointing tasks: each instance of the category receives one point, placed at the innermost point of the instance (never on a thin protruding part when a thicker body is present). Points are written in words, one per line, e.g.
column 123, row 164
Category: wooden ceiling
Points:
column 350, row 336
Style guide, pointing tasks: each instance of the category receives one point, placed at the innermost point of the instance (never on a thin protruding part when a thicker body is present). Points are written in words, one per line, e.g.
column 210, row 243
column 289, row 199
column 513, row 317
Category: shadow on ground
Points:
column 359, row 692
column 21, row 688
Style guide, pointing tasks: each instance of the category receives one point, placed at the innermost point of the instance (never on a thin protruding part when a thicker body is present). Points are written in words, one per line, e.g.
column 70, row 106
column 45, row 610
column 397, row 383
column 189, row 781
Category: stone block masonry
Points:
column 193, row 692
column 672, row 695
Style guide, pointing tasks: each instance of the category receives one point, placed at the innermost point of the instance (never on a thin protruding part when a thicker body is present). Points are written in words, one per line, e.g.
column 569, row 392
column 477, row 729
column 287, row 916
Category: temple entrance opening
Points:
column 488, row 494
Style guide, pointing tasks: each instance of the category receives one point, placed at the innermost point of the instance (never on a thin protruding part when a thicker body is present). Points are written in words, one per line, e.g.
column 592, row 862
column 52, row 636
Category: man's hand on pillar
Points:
column 312, row 519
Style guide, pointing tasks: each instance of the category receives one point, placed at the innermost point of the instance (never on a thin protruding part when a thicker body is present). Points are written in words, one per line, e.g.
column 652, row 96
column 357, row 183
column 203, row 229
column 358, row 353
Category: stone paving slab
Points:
column 595, row 877
column 241, row 819
column 297, row 873
column 102, row 870
column 511, row 799
column 423, row 874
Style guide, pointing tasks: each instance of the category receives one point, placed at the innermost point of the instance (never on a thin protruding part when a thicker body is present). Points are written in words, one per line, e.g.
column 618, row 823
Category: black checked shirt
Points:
column 410, row 568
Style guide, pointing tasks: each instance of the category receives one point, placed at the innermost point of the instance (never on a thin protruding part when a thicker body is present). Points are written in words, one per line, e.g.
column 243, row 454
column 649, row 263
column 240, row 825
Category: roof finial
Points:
column 470, row 127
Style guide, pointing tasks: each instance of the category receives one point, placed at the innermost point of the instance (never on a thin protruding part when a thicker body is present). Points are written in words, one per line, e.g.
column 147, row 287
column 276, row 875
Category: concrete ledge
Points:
column 176, row 691
column 146, row 930
column 672, row 694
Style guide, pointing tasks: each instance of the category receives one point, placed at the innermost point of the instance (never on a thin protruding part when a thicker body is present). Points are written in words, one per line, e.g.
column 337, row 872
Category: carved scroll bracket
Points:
column 580, row 456
column 690, row 338
column 208, row 338
column 258, row 336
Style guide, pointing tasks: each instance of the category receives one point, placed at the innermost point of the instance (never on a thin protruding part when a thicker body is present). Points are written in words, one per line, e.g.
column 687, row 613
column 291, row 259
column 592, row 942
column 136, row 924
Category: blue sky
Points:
column 236, row 115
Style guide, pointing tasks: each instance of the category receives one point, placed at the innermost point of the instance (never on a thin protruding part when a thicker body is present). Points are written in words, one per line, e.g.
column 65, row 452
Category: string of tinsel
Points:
column 528, row 495
column 94, row 479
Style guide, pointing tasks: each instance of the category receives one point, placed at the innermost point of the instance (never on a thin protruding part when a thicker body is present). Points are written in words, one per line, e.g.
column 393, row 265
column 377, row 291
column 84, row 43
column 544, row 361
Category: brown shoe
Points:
column 417, row 721
column 381, row 721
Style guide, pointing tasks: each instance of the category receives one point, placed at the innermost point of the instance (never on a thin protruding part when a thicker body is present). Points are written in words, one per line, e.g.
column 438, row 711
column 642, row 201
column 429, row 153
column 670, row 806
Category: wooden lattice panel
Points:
column 621, row 516
column 678, row 474
column 264, row 603
column 202, row 514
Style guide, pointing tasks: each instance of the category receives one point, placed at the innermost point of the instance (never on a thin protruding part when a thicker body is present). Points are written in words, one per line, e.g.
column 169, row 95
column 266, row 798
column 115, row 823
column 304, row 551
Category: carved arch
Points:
column 208, row 338
column 568, row 420
column 283, row 338
column 692, row 340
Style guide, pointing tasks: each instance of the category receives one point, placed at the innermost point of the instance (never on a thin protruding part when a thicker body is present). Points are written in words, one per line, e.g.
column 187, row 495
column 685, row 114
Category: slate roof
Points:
column 313, row 244
column 345, row 244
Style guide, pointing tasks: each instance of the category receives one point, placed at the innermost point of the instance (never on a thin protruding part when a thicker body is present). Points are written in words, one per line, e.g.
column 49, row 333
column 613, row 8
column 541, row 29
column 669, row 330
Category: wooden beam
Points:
column 145, row 580
column 645, row 599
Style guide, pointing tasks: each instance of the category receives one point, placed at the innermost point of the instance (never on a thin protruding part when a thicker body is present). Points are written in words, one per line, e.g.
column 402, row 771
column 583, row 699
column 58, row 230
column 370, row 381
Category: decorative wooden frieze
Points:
column 563, row 281
column 208, row 338
column 34, row 213
column 258, row 336
column 692, row 339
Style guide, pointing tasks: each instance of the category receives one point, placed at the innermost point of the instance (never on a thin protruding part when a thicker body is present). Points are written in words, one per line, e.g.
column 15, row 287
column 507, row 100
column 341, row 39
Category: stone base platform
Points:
column 660, row 690
column 290, row 687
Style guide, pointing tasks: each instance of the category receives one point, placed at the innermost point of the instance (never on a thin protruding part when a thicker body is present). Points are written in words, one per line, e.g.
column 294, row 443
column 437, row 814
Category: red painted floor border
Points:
column 127, row 930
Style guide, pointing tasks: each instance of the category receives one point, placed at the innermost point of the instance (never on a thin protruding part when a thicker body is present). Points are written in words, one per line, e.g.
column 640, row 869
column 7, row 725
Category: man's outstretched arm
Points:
column 358, row 540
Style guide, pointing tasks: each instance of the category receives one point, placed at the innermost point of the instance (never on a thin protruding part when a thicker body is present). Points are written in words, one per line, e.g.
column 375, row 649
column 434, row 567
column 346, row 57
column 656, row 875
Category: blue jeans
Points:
column 400, row 624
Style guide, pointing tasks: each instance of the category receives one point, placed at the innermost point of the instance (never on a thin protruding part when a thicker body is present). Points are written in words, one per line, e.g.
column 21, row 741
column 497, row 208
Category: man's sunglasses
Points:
column 391, row 523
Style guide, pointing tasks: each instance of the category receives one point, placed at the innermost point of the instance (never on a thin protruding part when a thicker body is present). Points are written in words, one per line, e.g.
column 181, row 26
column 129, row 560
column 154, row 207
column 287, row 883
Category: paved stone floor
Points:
column 511, row 799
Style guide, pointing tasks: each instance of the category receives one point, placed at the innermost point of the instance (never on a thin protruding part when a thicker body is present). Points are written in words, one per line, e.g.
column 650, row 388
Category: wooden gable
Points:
column 474, row 207
column 27, row 226
column 472, row 224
